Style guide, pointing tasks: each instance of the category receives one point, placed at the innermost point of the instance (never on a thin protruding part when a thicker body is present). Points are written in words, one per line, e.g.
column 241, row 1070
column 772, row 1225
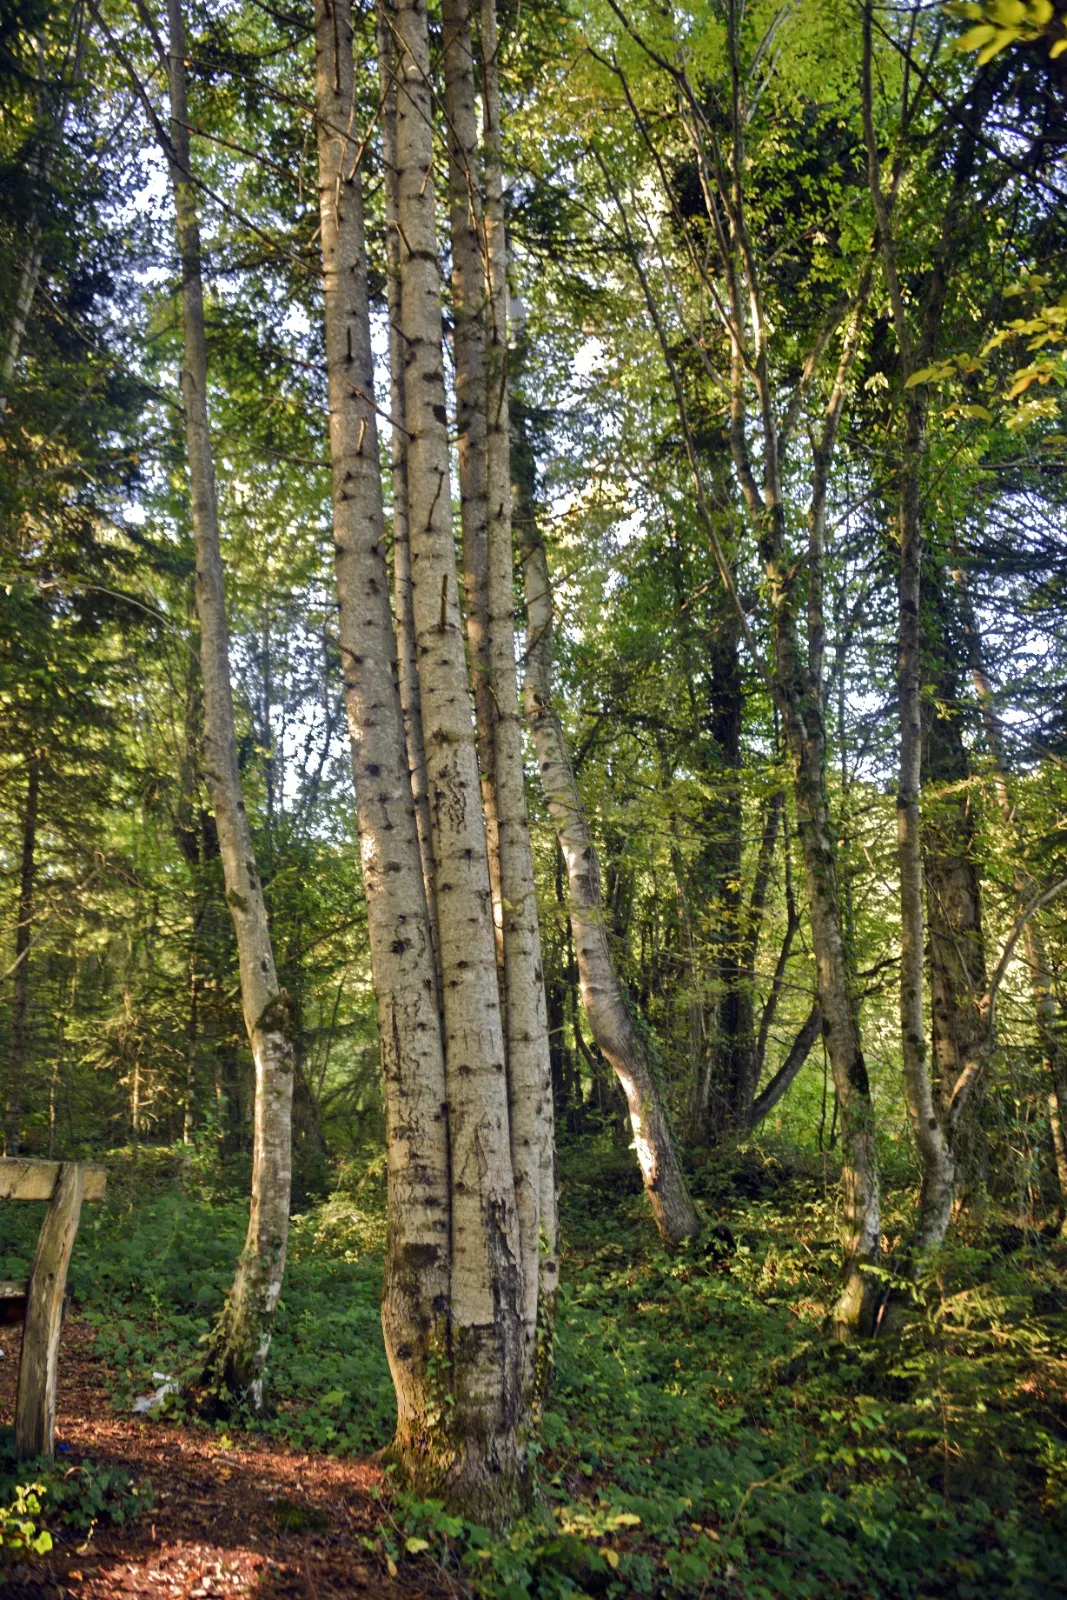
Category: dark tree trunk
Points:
column 956, row 942
column 20, row 1000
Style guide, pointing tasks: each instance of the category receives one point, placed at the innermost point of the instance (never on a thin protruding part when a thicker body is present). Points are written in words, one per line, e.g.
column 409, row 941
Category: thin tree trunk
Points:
column 488, row 1420
column 729, row 1085
column 805, row 732
column 407, row 659
column 938, row 1166
column 797, row 694
column 469, row 305
column 20, row 998
column 953, row 889
column 416, row 1291
column 28, row 276
column 526, row 1021
column 602, row 994
column 241, row 1340
column 796, row 1056
column 934, row 1137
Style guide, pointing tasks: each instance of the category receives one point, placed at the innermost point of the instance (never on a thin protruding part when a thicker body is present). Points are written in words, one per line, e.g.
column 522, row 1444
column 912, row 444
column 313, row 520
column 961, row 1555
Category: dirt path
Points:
column 253, row 1518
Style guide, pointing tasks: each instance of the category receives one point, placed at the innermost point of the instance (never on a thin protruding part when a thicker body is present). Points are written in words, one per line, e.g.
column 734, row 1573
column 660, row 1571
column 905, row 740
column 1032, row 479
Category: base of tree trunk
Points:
column 232, row 1377
column 486, row 1481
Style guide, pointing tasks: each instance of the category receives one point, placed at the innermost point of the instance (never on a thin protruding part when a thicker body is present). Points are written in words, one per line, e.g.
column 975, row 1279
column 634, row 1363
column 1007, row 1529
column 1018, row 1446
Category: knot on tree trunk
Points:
column 277, row 1016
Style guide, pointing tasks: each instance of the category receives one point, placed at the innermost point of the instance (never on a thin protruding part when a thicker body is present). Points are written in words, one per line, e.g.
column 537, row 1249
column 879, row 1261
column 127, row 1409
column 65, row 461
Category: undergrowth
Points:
column 703, row 1437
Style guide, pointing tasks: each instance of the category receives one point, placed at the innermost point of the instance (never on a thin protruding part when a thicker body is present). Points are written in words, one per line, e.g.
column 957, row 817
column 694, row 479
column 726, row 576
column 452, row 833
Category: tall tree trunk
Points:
column 488, row 1344
column 602, row 993
column 407, row 662
column 727, row 1093
column 801, row 707
column 416, row 1293
column 241, row 1340
column 526, row 1020
column 938, row 1167
column 466, row 207
column 20, row 998
column 934, row 1137
column 953, row 889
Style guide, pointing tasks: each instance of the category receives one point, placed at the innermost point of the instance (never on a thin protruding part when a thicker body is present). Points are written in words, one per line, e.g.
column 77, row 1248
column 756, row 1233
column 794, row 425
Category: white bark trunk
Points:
column 407, row 663
column 467, row 223
column 415, row 1301
column 487, row 1348
column 525, row 1009
column 242, row 1338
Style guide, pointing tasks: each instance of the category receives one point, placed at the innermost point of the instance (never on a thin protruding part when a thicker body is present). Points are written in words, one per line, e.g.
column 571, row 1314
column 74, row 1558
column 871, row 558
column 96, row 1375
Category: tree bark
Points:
column 805, row 731
column 416, row 1292
column 525, row 1013
column 236, row 1364
column 602, row 994
column 953, row 888
column 724, row 1106
column 796, row 1056
column 466, row 209
column 20, row 998
column 938, row 1166
column 488, row 1419
column 407, row 661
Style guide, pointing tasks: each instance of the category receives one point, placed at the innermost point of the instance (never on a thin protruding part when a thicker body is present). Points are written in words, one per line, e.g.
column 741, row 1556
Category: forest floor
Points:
column 704, row 1440
column 252, row 1516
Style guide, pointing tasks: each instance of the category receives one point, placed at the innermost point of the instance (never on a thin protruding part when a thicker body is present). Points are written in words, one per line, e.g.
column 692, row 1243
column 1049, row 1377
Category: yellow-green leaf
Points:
column 975, row 38
column 1005, row 36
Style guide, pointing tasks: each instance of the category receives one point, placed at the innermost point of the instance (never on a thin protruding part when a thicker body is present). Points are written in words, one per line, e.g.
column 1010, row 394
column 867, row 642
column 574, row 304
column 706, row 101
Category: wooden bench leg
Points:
column 35, row 1409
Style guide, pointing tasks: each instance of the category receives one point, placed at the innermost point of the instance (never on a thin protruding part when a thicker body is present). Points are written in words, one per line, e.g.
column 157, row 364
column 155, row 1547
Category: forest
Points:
column 533, row 798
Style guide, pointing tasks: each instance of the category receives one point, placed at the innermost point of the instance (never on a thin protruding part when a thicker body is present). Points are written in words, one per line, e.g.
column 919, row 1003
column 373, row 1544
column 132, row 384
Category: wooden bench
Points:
column 65, row 1185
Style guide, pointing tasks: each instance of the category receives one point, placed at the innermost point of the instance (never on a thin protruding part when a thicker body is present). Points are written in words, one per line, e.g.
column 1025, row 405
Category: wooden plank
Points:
column 12, row 1288
column 35, row 1407
column 36, row 1180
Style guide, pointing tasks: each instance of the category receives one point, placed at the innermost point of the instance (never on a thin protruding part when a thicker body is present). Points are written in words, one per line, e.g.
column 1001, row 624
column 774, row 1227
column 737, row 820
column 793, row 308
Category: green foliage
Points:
column 80, row 1496
column 704, row 1437
column 19, row 1533
column 152, row 1275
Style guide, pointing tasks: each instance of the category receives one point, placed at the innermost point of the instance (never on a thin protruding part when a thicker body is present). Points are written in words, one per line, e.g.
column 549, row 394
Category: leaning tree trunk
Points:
column 237, row 1361
column 20, row 997
column 602, row 994
column 525, row 1012
column 415, row 1299
column 488, row 1419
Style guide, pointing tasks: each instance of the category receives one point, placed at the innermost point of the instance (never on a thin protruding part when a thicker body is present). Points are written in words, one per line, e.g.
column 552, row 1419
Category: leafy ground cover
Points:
column 702, row 1439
